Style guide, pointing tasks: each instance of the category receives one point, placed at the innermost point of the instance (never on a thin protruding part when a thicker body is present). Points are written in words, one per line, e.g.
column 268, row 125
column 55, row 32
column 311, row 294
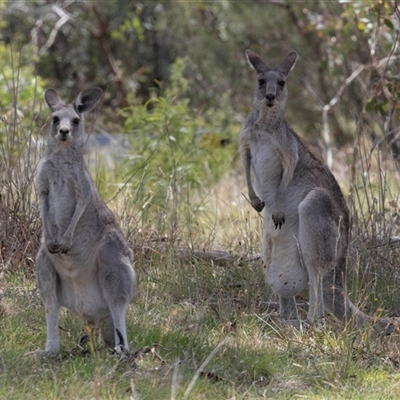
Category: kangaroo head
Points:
column 271, row 86
column 66, row 119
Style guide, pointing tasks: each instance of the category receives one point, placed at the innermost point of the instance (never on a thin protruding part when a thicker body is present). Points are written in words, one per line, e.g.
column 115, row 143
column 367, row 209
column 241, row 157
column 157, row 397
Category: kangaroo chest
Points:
column 266, row 164
column 61, row 188
column 64, row 186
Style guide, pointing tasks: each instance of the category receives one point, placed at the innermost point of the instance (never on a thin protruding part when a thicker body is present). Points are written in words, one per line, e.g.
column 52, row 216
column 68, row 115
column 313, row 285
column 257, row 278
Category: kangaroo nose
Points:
column 270, row 97
column 64, row 131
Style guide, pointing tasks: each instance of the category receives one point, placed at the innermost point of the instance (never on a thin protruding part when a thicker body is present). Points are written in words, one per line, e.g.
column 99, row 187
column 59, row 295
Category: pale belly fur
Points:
column 81, row 292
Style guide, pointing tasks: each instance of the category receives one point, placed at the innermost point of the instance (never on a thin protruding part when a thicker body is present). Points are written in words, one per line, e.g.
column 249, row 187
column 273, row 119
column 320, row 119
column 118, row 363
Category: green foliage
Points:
column 129, row 47
column 177, row 151
column 19, row 84
column 130, row 27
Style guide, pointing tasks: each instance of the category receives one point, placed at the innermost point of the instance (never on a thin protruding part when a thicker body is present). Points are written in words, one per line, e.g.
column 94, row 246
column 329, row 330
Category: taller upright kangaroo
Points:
column 306, row 219
column 84, row 262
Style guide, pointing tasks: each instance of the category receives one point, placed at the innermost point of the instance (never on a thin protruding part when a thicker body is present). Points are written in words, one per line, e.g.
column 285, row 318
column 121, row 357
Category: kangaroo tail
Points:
column 338, row 303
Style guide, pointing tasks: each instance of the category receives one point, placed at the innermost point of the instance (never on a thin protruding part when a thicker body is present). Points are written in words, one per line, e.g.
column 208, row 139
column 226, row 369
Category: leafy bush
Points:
column 19, row 84
column 177, row 150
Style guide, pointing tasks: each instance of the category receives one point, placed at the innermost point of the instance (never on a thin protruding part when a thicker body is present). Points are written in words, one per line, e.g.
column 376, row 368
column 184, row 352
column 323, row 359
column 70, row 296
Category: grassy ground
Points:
column 196, row 331
column 199, row 330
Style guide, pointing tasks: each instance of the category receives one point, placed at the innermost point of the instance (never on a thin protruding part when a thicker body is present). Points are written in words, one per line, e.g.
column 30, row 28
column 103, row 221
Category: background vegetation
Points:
column 162, row 150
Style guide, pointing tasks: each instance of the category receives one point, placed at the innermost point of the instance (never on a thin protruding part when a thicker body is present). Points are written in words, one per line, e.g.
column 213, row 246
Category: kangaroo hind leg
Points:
column 49, row 288
column 318, row 239
column 288, row 308
column 284, row 271
column 117, row 279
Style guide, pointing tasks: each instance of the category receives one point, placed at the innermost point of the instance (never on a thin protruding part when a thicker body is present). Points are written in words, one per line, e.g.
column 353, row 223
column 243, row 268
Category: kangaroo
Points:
column 306, row 218
column 84, row 262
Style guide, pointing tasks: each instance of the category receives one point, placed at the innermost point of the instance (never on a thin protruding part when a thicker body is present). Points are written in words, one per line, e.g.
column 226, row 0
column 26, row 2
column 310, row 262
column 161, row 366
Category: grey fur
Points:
column 84, row 262
column 306, row 218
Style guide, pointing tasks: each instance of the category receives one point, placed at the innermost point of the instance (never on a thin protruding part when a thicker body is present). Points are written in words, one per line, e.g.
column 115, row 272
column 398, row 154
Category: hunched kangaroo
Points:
column 306, row 218
column 84, row 262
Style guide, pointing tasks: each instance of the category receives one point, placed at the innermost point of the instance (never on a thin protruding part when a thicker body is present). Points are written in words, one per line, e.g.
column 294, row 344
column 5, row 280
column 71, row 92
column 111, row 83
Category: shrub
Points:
column 177, row 151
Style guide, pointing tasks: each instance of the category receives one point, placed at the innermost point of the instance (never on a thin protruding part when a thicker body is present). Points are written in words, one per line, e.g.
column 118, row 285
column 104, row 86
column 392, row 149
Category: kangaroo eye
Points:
column 76, row 121
column 56, row 120
column 261, row 82
column 281, row 84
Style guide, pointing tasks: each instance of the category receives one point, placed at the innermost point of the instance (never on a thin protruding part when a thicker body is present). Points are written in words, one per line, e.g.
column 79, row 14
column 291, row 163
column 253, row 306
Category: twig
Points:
column 64, row 19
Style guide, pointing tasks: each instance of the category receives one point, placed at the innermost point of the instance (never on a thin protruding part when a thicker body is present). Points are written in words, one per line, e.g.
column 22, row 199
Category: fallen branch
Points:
column 216, row 256
column 223, row 257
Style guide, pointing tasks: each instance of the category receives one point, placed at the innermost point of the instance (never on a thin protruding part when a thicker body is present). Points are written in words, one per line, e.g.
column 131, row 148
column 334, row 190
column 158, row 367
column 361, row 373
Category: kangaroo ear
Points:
column 256, row 62
column 53, row 100
column 287, row 64
column 87, row 99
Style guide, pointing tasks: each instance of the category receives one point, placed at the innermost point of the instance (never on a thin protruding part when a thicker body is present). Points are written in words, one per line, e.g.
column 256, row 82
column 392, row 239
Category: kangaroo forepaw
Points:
column 53, row 247
column 258, row 205
column 65, row 244
column 64, row 249
column 279, row 219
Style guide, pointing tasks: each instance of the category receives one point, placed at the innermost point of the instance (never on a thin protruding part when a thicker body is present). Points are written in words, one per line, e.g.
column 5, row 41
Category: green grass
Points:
column 184, row 312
